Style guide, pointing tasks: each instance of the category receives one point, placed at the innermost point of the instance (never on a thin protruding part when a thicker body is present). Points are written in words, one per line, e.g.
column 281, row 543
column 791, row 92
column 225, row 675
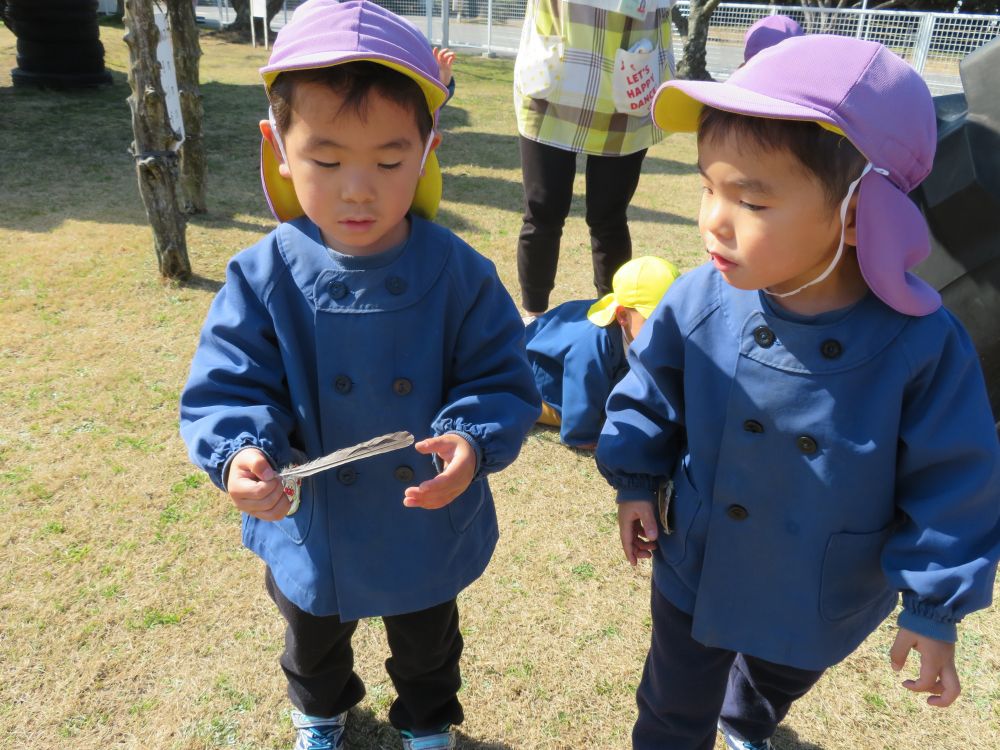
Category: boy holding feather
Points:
column 354, row 318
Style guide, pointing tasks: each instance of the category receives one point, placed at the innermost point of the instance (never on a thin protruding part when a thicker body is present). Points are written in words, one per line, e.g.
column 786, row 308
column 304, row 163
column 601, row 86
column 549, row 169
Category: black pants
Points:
column 548, row 174
column 318, row 662
column 687, row 688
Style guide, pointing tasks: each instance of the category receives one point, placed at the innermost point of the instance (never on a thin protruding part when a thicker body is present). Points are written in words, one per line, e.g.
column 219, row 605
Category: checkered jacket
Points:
column 579, row 115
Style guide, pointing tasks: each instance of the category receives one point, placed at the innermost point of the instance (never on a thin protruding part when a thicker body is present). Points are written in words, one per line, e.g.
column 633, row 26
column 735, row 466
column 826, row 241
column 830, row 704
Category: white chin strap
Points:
column 284, row 156
column 843, row 229
column 277, row 135
column 427, row 150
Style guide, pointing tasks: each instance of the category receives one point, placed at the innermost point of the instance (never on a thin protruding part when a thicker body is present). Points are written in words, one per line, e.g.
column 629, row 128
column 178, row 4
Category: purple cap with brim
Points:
column 767, row 32
column 322, row 33
column 863, row 91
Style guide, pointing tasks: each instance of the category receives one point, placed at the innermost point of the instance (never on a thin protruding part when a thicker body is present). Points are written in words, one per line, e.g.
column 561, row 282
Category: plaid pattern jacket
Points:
column 579, row 114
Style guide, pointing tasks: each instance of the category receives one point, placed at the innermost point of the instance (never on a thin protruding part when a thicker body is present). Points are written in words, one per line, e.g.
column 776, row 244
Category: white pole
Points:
column 489, row 28
column 862, row 21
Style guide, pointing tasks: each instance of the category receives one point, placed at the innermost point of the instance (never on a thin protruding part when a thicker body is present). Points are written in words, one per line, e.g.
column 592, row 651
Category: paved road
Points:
column 502, row 38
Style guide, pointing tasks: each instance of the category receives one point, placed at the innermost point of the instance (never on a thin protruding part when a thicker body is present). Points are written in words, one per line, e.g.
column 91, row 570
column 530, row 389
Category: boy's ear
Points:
column 271, row 137
column 851, row 222
column 621, row 315
column 437, row 140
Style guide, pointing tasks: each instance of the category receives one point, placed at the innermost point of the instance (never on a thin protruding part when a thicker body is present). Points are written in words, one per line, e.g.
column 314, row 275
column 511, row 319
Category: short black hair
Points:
column 829, row 156
column 354, row 81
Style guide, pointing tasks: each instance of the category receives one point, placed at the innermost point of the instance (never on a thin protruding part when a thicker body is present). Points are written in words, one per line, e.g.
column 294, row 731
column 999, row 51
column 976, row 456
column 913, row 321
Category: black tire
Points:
column 57, row 32
column 80, row 65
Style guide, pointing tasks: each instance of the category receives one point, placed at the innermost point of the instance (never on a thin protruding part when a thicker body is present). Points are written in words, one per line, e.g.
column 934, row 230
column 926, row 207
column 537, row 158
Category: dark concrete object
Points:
column 58, row 43
column 961, row 201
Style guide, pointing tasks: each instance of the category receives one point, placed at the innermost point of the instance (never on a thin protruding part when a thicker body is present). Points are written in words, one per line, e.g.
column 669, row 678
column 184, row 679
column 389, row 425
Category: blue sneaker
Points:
column 314, row 733
column 735, row 743
column 442, row 741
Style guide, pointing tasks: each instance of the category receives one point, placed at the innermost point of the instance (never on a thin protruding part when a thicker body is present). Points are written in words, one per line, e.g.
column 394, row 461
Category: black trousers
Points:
column 687, row 688
column 548, row 174
column 318, row 662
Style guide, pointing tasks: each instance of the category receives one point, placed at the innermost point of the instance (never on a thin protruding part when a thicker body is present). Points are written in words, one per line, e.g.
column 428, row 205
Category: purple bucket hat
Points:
column 767, row 32
column 322, row 33
column 863, row 91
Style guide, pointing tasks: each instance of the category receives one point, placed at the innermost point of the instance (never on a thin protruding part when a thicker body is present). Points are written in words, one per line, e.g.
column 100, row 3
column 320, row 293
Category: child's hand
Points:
column 637, row 525
column 255, row 488
column 937, row 667
column 445, row 58
column 459, row 468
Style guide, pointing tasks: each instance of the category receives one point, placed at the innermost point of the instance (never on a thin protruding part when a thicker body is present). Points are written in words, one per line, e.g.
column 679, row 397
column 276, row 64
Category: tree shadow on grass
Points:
column 202, row 284
column 66, row 157
column 657, row 165
column 474, row 148
column 367, row 732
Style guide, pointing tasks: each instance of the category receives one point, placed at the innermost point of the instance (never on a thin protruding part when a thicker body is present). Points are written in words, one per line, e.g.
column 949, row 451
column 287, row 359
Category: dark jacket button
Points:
column 806, row 444
column 752, row 425
column 342, row 384
column 338, row 290
column 737, row 512
column 347, row 475
column 401, row 386
column 764, row 337
column 395, row 285
column 403, row 473
column 831, row 349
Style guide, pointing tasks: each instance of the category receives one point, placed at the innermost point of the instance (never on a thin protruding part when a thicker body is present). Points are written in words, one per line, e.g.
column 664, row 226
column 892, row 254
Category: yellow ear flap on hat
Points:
column 285, row 206
column 602, row 312
column 278, row 190
column 428, row 196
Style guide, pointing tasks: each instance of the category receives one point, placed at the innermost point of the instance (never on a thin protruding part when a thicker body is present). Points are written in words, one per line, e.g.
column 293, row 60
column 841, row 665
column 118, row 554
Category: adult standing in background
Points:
column 585, row 73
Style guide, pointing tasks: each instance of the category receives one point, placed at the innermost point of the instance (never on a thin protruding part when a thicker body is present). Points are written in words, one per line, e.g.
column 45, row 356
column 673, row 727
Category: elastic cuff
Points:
column 225, row 467
column 939, row 631
column 475, row 446
column 628, row 495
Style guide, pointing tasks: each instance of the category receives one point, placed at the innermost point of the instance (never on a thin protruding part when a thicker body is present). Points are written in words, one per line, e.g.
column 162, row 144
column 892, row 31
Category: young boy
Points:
column 353, row 319
column 577, row 353
column 804, row 432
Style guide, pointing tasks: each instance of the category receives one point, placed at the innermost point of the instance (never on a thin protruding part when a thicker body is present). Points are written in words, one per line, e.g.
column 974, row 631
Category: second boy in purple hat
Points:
column 355, row 318
column 767, row 32
column 804, row 433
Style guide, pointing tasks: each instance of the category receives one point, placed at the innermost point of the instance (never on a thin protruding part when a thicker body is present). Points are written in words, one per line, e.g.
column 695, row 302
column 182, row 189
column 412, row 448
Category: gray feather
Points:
column 374, row 447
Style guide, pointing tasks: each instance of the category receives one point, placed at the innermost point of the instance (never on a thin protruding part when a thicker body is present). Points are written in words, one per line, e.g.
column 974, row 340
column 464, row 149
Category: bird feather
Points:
column 374, row 447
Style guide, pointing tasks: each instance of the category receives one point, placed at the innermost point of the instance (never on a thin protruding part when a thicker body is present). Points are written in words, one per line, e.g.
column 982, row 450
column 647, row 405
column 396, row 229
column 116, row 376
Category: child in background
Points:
column 354, row 318
column 804, row 433
column 446, row 61
column 577, row 350
column 767, row 32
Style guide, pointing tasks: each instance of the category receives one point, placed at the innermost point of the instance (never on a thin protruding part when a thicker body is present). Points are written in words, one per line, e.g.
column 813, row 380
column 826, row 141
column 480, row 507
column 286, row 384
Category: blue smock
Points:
column 305, row 352
column 576, row 364
column 820, row 468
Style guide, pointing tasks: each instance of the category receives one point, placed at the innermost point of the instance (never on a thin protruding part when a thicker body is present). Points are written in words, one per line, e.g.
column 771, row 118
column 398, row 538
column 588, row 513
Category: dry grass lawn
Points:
column 130, row 617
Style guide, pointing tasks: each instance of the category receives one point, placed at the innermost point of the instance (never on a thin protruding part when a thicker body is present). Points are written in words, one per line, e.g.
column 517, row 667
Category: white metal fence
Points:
column 933, row 43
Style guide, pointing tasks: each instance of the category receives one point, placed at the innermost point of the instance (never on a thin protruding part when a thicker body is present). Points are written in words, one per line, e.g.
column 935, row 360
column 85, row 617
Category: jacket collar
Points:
column 336, row 289
column 823, row 346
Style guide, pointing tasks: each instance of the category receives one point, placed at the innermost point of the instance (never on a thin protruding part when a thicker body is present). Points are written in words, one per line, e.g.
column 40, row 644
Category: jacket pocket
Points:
column 852, row 578
column 296, row 526
column 463, row 509
column 685, row 508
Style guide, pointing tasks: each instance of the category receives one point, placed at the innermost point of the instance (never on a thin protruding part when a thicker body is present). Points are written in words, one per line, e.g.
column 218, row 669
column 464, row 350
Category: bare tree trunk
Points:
column 187, row 52
column 155, row 159
column 692, row 64
column 241, row 24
